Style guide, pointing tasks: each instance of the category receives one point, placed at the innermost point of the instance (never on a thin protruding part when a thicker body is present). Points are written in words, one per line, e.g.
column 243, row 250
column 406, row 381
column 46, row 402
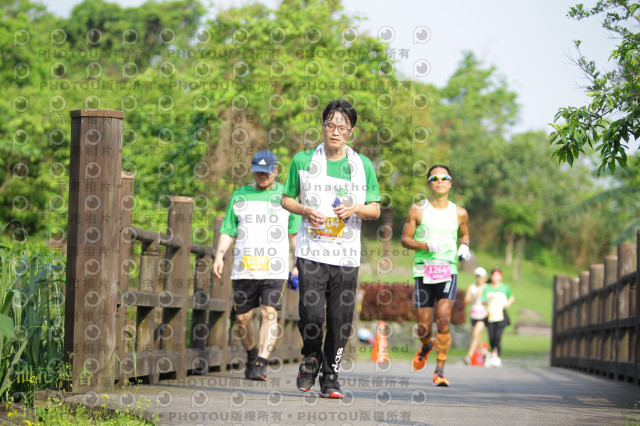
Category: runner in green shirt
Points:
column 498, row 297
column 337, row 189
column 259, row 225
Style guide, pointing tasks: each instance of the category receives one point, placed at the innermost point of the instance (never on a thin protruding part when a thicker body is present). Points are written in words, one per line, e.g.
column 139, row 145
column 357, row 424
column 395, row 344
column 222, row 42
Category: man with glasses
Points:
column 432, row 229
column 337, row 189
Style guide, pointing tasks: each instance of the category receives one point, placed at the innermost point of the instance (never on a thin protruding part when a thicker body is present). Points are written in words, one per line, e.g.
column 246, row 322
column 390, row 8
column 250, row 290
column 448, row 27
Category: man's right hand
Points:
column 316, row 219
column 218, row 266
column 435, row 246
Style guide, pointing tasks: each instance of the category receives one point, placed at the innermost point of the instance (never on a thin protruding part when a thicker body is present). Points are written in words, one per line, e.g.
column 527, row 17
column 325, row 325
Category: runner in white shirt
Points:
column 338, row 189
column 478, row 311
column 432, row 229
column 259, row 225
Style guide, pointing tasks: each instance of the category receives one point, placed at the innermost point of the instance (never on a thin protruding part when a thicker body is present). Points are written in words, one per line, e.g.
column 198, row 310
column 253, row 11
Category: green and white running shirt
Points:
column 318, row 189
column 441, row 225
column 496, row 298
column 261, row 227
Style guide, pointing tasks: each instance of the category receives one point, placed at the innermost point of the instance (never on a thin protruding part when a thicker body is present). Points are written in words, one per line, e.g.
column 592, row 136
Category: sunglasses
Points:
column 436, row 178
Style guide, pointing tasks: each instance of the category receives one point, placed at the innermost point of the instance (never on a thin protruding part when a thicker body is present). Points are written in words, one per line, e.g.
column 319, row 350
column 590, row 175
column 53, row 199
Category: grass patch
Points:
column 31, row 322
column 516, row 346
column 56, row 414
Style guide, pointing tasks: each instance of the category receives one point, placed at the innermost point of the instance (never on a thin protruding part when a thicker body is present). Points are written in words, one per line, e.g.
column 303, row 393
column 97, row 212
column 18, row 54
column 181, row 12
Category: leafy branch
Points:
column 612, row 118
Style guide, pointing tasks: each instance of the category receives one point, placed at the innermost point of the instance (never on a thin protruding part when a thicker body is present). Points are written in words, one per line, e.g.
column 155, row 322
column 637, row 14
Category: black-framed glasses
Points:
column 333, row 126
column 436, row 178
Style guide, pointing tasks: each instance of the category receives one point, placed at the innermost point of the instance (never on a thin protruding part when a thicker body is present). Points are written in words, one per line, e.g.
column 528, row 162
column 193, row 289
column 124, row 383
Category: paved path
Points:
column 512, row 394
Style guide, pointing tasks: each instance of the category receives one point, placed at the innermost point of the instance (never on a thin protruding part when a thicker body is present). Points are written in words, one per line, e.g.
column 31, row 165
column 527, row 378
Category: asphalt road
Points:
column 389, row 394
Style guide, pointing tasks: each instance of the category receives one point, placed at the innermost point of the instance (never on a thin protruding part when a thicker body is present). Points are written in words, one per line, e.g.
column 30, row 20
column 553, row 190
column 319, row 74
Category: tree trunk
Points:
column 508, row 258
column 518, row 258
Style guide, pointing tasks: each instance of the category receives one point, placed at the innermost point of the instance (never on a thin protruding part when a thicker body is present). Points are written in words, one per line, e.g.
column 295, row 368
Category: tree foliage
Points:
column 612, row 118
column 202, row 96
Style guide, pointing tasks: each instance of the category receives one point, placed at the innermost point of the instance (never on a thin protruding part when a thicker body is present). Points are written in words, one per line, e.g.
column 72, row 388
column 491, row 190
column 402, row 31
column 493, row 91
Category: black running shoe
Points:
column 307, row 373
column 259, row 371
column 248, row 369
column 330, row 387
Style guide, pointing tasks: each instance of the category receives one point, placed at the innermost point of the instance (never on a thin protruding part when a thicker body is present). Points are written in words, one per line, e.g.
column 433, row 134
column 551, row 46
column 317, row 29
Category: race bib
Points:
column 496, row 315
column 333, row 230
column 478, row 312
column 496, row 309
column 436, row 271
column 255, row 263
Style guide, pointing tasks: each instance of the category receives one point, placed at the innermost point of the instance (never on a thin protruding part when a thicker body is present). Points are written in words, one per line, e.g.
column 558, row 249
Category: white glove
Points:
column 463, row 252
column 434, row 245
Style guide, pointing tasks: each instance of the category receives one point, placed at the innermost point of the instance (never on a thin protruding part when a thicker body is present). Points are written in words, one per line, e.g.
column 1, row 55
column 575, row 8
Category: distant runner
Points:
column 498, row 297
column 478, row 311
column 432, row 229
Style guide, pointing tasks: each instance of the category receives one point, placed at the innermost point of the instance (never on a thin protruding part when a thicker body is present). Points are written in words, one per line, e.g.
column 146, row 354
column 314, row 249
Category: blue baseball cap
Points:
column 263, row 161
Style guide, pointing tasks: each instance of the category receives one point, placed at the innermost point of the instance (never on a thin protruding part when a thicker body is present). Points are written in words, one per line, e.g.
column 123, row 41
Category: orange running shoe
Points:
column 439, row 380
column 420, row 359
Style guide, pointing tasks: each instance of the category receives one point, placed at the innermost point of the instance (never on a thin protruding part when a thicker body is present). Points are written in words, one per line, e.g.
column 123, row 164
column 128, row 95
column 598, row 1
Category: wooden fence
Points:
column 596, row 321
column 175, row 320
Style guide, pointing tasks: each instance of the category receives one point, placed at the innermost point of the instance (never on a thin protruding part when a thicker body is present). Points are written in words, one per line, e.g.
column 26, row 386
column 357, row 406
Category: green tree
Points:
column 612, row 117
column 620, row 201
column 252, row 71
column 472, row 113
column 287, row 64
column 528, row 182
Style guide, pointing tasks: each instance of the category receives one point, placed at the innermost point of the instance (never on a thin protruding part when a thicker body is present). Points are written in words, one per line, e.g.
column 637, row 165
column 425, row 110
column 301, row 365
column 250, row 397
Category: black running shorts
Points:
column 474, row 321
column 249, row 294
column 426, row 295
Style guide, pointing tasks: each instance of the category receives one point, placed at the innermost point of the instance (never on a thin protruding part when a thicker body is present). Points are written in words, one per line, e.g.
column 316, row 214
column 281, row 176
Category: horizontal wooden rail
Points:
column 147, row 236
column 202, row 251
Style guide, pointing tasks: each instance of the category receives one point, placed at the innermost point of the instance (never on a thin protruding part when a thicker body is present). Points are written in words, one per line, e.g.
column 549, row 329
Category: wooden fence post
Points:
column 201, row 297
column 218, row 321
column 565, row 346
column 176, row 286
column 584, row 293
column 583, row 319
column 596, row 281
column 145, row 314
column 92, row 247
column 555, row 324
column 609, row 303
column 626, row 260
column 126, row 206
column 575, row 319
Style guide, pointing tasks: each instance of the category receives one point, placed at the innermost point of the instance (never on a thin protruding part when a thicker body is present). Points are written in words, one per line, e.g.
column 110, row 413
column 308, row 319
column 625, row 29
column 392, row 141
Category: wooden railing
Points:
column 175, row 319
column 596, row 320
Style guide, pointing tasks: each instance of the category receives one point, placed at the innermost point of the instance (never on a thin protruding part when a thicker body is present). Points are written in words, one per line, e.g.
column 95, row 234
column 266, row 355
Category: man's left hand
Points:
column 343, row 212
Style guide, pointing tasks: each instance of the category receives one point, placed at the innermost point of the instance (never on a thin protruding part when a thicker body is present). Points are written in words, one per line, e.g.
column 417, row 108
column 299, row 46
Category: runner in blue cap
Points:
column 259, row 225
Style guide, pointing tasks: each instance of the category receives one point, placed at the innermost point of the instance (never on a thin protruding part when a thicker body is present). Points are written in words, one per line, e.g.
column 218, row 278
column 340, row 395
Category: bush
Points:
column 387, row 302
column 394, row 302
